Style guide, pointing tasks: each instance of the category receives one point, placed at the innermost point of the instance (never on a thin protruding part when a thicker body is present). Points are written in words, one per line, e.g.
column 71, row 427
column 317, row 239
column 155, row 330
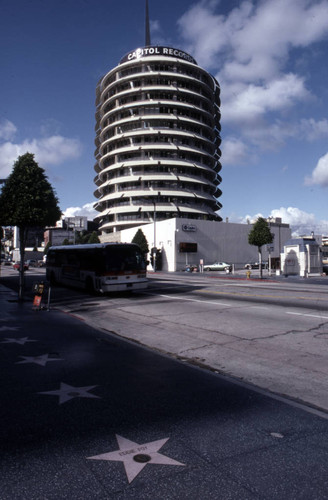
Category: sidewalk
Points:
column 255, row 275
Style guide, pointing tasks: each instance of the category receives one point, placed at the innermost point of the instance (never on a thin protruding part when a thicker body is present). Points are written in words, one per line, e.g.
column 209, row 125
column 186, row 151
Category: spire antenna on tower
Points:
column 147, row 26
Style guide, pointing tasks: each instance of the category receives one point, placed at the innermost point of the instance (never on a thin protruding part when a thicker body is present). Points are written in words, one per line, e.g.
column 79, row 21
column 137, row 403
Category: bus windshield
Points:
column 121, row 258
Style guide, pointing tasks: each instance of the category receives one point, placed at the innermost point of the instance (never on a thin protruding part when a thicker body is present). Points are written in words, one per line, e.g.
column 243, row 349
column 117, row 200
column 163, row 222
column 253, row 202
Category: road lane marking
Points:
column 308, row 315
column 260, row 307
column 193, row 300
column 262, row 296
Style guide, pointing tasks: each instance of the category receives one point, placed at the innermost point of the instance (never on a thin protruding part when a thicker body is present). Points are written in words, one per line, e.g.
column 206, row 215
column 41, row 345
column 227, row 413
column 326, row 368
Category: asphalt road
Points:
column 88, row 414
column 270, row 333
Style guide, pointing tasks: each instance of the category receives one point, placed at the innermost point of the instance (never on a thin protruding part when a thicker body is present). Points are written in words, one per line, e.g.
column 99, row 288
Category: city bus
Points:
column 100, row 267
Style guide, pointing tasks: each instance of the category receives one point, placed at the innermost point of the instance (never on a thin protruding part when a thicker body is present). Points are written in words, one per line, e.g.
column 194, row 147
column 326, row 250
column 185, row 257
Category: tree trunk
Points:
column 260, row 262
column 22, row 243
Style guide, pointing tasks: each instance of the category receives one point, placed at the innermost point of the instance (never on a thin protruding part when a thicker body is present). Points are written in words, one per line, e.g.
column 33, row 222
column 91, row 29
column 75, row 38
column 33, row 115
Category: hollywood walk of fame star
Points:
column 6, row 328
column 67, row 392
column 20, row 341
column 136, row 456
column 41, row 360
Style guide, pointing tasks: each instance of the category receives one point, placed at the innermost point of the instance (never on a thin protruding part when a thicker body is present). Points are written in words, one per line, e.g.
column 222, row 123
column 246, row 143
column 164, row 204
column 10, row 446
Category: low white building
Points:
column 184, row 241
column 301, row 256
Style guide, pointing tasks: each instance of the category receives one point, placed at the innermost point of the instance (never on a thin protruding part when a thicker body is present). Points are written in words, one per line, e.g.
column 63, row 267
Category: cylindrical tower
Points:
column 157, row 140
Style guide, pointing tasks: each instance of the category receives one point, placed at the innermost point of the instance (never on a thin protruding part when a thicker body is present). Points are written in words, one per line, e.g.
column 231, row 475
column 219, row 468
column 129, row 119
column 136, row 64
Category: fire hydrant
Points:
column 248, row 275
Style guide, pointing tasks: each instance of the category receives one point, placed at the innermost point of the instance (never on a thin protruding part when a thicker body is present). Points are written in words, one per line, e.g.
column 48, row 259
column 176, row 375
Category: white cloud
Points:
column 294, row 216
column 312, row 129
column 52, row 150
column 320, row 173
column 206, row 33
column 254, row 101
column 254, row 39
column 249, row 49
column 86, row 211
column 270, row 136
column 234, row 152
column 274, row 134
column 301, row 222
column 270, row 30
column 250, row 219
column 7, row 130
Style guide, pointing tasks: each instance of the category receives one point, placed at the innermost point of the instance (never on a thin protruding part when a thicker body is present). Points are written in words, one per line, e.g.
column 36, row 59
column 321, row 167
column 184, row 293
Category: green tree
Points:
column 84, row 237
column 27, row 200
column 81, row 237
column 260, row 235
column 93, row 238
column 140, row 239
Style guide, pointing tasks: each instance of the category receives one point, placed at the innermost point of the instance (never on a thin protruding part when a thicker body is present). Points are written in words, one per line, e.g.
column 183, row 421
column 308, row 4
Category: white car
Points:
column 218, row 266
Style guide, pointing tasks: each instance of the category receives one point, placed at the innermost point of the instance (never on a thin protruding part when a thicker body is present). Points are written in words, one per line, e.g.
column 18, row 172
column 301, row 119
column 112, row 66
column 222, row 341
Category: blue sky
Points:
column 269, row 56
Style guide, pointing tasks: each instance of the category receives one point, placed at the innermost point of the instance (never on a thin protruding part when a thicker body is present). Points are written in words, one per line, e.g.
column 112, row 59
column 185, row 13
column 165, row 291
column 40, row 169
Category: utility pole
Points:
column 155, row 249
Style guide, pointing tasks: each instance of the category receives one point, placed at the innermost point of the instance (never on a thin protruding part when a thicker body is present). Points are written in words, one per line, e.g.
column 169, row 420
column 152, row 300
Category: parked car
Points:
column 218, row 266
column 256, row 265
column 16, row 265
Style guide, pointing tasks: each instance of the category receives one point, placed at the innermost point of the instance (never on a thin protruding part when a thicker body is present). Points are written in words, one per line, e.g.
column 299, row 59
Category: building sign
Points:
column 187, row 247
column 160, row 51
column 189, row 228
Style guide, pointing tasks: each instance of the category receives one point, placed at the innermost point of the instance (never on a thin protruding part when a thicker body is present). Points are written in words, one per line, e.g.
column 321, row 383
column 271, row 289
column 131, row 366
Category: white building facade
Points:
column 157, row 141
column 185, row 241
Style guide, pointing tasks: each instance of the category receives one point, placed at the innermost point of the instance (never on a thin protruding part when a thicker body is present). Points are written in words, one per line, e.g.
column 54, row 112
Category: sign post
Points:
column 270, row 249
column 38, row 289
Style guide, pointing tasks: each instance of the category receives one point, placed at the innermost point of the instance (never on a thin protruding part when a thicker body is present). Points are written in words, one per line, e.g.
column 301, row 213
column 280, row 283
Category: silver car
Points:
column 218, row 266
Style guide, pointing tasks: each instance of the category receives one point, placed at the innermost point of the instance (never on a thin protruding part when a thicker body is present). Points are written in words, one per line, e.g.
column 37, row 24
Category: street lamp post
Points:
column 155, row 249
column 154, row 252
